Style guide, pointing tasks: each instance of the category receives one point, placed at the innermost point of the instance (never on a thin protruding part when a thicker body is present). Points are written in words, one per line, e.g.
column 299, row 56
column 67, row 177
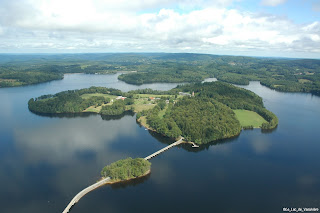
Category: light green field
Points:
column 83, row 66
column 277, row 85
column 162, row 112
column 151, row 95
column 304, row 81
column 96, row 109
column 86, row 96
column 140, row 107
column 248, row 118
column 93, row 109
column 141, row 101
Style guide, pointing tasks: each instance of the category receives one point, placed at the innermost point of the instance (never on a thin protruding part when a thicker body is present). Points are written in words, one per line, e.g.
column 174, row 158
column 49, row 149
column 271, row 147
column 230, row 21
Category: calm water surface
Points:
column 45, row 161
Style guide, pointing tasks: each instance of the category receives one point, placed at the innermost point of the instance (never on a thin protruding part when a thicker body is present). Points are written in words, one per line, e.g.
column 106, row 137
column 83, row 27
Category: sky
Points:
column 272, row 28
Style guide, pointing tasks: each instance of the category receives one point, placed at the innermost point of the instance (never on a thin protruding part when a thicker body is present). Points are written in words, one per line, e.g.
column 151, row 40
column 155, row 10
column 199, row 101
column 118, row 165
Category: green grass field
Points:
column 162, row 112
column 304, row 81
column 93, row 109
column 140, row 107
column 86, row 96
column 151, row 95
column 248, row 118
column 141, row 101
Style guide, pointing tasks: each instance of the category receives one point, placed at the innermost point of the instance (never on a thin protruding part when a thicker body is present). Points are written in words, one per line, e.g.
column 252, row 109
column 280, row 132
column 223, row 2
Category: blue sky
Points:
column 280, row 28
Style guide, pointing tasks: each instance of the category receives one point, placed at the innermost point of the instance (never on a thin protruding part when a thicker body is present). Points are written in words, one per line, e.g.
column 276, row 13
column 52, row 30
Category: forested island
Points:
column 126, row 169
column 199, row 112
column 287, row 75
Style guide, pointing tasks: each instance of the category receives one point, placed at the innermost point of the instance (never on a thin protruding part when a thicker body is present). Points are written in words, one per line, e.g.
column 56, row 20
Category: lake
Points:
column 46, row 161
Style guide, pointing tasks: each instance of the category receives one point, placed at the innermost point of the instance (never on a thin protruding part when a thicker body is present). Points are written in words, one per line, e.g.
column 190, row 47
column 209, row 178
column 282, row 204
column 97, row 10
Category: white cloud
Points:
column 126, row 26
column 272, row 2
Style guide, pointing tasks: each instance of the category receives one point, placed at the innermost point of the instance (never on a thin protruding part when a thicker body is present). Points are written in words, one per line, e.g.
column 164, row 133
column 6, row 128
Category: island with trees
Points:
column 126, row 169
column 199, row 112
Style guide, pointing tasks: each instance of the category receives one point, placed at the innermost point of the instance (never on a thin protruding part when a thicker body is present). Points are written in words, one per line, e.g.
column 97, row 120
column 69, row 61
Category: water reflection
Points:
column 58, row 141
column 260, row 144
column 65, row 115
column 306, row 180
column 268, row 131
column 84, row 115
column 117, row 117
column 189, row 148
column 162, row 139
column 133, row 182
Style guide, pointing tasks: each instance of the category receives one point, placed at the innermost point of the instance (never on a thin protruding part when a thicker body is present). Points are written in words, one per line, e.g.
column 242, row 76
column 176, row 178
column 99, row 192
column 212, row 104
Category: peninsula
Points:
column 200, row 112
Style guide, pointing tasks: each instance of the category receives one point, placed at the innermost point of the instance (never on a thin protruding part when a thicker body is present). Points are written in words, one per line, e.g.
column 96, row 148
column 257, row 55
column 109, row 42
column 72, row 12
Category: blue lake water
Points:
column 45, row 161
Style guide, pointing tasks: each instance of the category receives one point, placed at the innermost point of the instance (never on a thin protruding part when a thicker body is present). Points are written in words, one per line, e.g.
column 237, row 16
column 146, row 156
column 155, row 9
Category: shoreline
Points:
column 119, row 181
column 194, row 144
column 153, row 130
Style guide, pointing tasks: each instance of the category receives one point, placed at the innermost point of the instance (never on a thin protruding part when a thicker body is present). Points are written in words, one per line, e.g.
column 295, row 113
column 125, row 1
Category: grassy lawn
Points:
column 96, row 109
column 162, row 112
column 83, row 66
column 141, row 101
column 140, row 107
column 151, row 95
column 93, row 109
column 86, row 96
column 277, row 85
column 304, row 81
column 248, row 118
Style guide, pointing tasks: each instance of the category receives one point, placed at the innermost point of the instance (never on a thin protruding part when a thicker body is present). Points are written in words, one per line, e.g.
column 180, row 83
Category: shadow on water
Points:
column 65, row 115
column 188, row 147
column 133, row 182
column 159, row 137
column 84, row 115
column 268, row 131
column 117, row 117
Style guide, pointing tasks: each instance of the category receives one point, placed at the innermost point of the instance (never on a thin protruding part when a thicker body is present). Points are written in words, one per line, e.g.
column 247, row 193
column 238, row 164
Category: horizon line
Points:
column 79, row 53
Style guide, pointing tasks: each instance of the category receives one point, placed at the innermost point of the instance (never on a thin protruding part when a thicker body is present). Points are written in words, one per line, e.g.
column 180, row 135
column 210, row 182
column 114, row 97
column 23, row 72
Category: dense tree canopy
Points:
column 117, row 108
column 203, row 120
column 126, row 169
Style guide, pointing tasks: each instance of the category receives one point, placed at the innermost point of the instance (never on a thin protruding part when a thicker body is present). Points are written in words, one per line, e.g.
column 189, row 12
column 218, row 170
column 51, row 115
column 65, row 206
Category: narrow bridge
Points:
column 85, row 191
column 165, row 148
column 108, row 180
